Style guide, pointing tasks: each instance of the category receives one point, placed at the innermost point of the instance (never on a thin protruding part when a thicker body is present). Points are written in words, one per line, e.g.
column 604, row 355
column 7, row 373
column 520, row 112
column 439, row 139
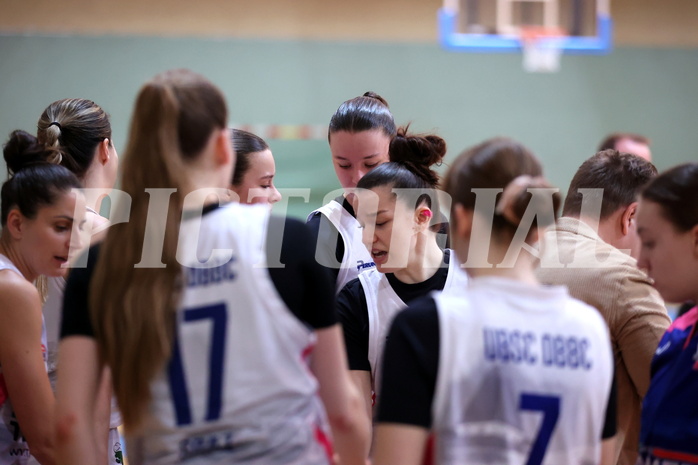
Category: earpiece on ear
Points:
column 427, row 213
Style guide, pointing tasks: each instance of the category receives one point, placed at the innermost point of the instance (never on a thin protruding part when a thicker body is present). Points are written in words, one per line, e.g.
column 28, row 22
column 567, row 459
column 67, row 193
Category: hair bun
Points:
column 374, row 95
column 22, row 149
column 419, row 152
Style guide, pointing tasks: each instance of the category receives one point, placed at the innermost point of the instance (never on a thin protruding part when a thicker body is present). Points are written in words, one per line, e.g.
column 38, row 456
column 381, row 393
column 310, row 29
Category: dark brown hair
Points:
column 494, row 164
column 621, row 176
column 244, row 143
column 364, row 113
column 411, row 159
column 33, row 183
column 676, row 192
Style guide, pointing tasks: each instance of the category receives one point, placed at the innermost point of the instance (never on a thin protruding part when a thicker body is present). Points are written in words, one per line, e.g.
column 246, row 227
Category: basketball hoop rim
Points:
column 530, row 34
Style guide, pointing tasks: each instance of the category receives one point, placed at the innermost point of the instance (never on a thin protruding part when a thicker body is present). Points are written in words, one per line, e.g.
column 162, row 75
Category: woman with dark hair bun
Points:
column 253, row 177
column 396, row 205
column 38, row 217
column 508, row 371
column 359, row 135
column 667, row 223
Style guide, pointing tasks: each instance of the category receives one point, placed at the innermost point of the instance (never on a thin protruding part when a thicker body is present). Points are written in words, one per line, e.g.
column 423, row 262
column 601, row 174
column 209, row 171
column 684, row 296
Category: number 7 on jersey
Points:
column 550, row 406
column 218, row 314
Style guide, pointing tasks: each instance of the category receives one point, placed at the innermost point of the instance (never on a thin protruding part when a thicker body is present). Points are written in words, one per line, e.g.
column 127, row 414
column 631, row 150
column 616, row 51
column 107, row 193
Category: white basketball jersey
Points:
column 383, row 304
column 14, row 449
column 237, row 388
column 52, row 317
column 356, row 257
column 524, row 376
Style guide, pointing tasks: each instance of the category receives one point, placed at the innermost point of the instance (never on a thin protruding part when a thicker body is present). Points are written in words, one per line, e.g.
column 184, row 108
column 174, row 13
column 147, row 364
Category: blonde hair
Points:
column 133, row 308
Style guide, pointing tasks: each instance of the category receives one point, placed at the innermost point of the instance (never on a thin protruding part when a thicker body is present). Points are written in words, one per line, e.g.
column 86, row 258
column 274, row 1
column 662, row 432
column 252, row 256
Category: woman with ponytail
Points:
column 38, row 217
column 76, row 134
column 212, row 352
column 359, row 135
column 396, row 207
column 510, row 371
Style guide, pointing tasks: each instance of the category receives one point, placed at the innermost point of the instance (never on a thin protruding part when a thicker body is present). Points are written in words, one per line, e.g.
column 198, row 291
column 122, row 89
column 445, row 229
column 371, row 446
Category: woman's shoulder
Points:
column 11, row 282
column 16, row 295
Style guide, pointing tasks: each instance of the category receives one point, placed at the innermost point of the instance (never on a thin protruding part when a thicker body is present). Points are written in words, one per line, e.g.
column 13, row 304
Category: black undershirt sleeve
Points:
column 353, row 310
column 323, row 252
column 305, row 286
column 410, row 364
column 329, row 248
column 610, row 424
column 353, row 316
column 75, row 319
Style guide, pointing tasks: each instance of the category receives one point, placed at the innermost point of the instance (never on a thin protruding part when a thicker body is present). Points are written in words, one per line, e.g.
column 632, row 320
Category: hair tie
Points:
column 56, row 123
column 506, row 202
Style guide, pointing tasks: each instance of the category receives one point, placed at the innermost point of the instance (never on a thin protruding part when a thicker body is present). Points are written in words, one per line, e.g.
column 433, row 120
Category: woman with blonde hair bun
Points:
column 215, row 356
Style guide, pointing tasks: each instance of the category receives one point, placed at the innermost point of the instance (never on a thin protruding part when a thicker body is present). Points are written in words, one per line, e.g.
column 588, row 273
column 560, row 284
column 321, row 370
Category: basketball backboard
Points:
column 578, row 26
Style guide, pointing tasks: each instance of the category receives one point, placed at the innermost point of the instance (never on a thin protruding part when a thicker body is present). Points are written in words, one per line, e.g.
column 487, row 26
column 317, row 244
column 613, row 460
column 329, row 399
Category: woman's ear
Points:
column 694, row 239
column 15, row 223
column 422, row 217
column 104, row 152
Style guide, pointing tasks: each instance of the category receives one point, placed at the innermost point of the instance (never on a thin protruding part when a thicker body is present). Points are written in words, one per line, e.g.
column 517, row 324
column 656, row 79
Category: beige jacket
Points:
column 608, row 279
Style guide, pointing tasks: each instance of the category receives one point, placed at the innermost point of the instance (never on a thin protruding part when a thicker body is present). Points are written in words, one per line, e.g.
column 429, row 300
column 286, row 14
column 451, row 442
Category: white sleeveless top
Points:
column 14, row 450
column 52, row 316
column 238, row 388
column 520, row 365
column 356, row 257
column 383, row 304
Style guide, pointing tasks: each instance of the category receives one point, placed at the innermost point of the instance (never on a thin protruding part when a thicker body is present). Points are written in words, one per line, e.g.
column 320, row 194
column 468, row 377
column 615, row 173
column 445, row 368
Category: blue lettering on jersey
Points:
column 516, row 347
column 213, row 275
column 360, row 265
column 566, row 352
column 509, row 346
column 205, row 444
